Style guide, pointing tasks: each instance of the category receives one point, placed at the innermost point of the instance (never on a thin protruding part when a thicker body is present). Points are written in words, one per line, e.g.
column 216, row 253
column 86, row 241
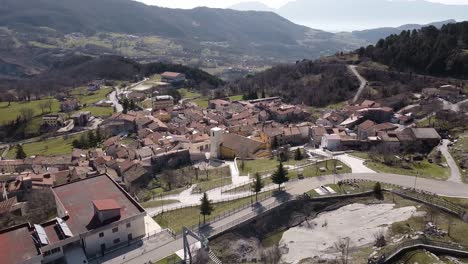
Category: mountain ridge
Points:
column 39, row 32
column 373, row 13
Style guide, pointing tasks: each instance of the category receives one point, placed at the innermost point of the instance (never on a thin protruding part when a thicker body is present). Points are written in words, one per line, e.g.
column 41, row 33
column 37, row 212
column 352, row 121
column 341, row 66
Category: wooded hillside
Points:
column 308, row 82
column 429, row 50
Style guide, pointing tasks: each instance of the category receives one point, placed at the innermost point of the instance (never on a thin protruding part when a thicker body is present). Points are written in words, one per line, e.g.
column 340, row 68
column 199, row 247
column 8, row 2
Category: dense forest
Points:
column 442, row 52
column 312, row 83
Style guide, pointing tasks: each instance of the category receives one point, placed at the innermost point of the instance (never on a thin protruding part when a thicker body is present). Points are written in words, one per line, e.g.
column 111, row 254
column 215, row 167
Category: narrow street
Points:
column 455, row 175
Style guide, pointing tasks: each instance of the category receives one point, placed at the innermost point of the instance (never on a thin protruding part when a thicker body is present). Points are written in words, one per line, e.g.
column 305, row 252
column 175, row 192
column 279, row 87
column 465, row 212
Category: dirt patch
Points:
column 358, row 223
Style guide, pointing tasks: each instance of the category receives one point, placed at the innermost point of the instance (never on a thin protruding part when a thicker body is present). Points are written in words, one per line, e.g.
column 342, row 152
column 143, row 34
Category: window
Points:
column 129, row 225
column 114, row 230
column 51, row 252
column 116, row 241
column 101, row 234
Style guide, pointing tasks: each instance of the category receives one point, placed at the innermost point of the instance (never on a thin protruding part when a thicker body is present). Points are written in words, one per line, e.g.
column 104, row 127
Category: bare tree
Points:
column 271, row 255
column 49, row 103
column 8, row 96
column 43, row 106
column 26, row 113
column 342, row 245
column 205, row 167
column 380, row 239
column 172, row 178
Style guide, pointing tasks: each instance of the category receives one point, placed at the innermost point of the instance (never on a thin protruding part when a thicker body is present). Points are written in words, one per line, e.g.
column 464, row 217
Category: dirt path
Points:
column 363, row 81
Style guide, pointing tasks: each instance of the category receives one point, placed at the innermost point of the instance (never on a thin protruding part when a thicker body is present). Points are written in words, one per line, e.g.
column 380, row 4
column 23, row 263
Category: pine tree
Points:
column 98, row 136
column 125, row 105
column 378, row 191
column 132, row 105
column 298, row 155
column 274, row 144
column 257, row 185
column 206, row 208
column 20, row 154
column 92, row 142
column 280, row 176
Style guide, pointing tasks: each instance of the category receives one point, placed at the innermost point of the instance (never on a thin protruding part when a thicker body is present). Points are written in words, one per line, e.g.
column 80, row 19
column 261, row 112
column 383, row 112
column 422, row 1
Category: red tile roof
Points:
column 106, row 204
column 17, row 245
column 77, row 199
column 171, row 74
column 366, row 125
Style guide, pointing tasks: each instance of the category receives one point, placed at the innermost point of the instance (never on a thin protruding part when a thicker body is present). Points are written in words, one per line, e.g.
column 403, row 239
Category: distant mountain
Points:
column 369, row 13
column 374, row 35
column 252, row 6
column 38, row 32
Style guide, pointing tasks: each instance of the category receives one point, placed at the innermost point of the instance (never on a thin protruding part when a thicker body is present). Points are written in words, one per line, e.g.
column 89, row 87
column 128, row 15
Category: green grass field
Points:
column 421, row 168
column 158, row 203
column 88, row 98
column 189, row 216
column 98, row 111
column 459, row 150
column 10, row 113
column 202, row 102
column 236, row 97
column 188, row 93
column 172, row 259
column 50, row 147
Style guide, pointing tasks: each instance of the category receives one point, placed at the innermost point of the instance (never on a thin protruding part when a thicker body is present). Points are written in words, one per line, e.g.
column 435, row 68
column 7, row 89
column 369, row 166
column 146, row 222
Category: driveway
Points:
column 356, row 164
column 455, row 175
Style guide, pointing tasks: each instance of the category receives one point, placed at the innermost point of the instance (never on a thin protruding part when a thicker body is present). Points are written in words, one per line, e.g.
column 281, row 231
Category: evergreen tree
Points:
column 92, row 142
column 257, row 185
column 280, row 176
column 20, row 154
column 298, row 155
column 263, row 93
column 274, row 144
column 98, row 135
column 132, row 105
column 206, row 208
column 77, row 144
column 378, row 191
column 125, row 105
column 84, row 142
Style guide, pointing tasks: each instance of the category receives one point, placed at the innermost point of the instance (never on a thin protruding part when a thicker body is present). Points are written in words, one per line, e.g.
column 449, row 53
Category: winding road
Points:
column 152, row 250
column 363, row 81
column 455, row 174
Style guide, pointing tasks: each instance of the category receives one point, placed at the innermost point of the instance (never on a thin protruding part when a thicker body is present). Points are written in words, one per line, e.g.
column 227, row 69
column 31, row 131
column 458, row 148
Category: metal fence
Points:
column 432, row 199
column 389, row 253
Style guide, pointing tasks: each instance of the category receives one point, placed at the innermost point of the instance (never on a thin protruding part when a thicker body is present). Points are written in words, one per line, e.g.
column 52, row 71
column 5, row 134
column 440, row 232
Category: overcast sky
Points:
column 227, row 3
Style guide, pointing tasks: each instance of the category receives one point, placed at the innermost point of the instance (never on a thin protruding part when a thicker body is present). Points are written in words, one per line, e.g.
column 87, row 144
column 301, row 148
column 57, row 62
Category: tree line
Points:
column 310, row 82
column 433, row 51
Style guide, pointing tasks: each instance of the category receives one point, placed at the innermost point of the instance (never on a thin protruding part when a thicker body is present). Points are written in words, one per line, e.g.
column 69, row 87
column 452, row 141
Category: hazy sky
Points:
column 227, row 3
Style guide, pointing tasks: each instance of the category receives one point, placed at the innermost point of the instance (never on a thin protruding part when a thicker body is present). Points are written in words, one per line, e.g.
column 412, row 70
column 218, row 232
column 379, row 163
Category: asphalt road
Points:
column 455, row 175
column 444, row 188
column 115, row 100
